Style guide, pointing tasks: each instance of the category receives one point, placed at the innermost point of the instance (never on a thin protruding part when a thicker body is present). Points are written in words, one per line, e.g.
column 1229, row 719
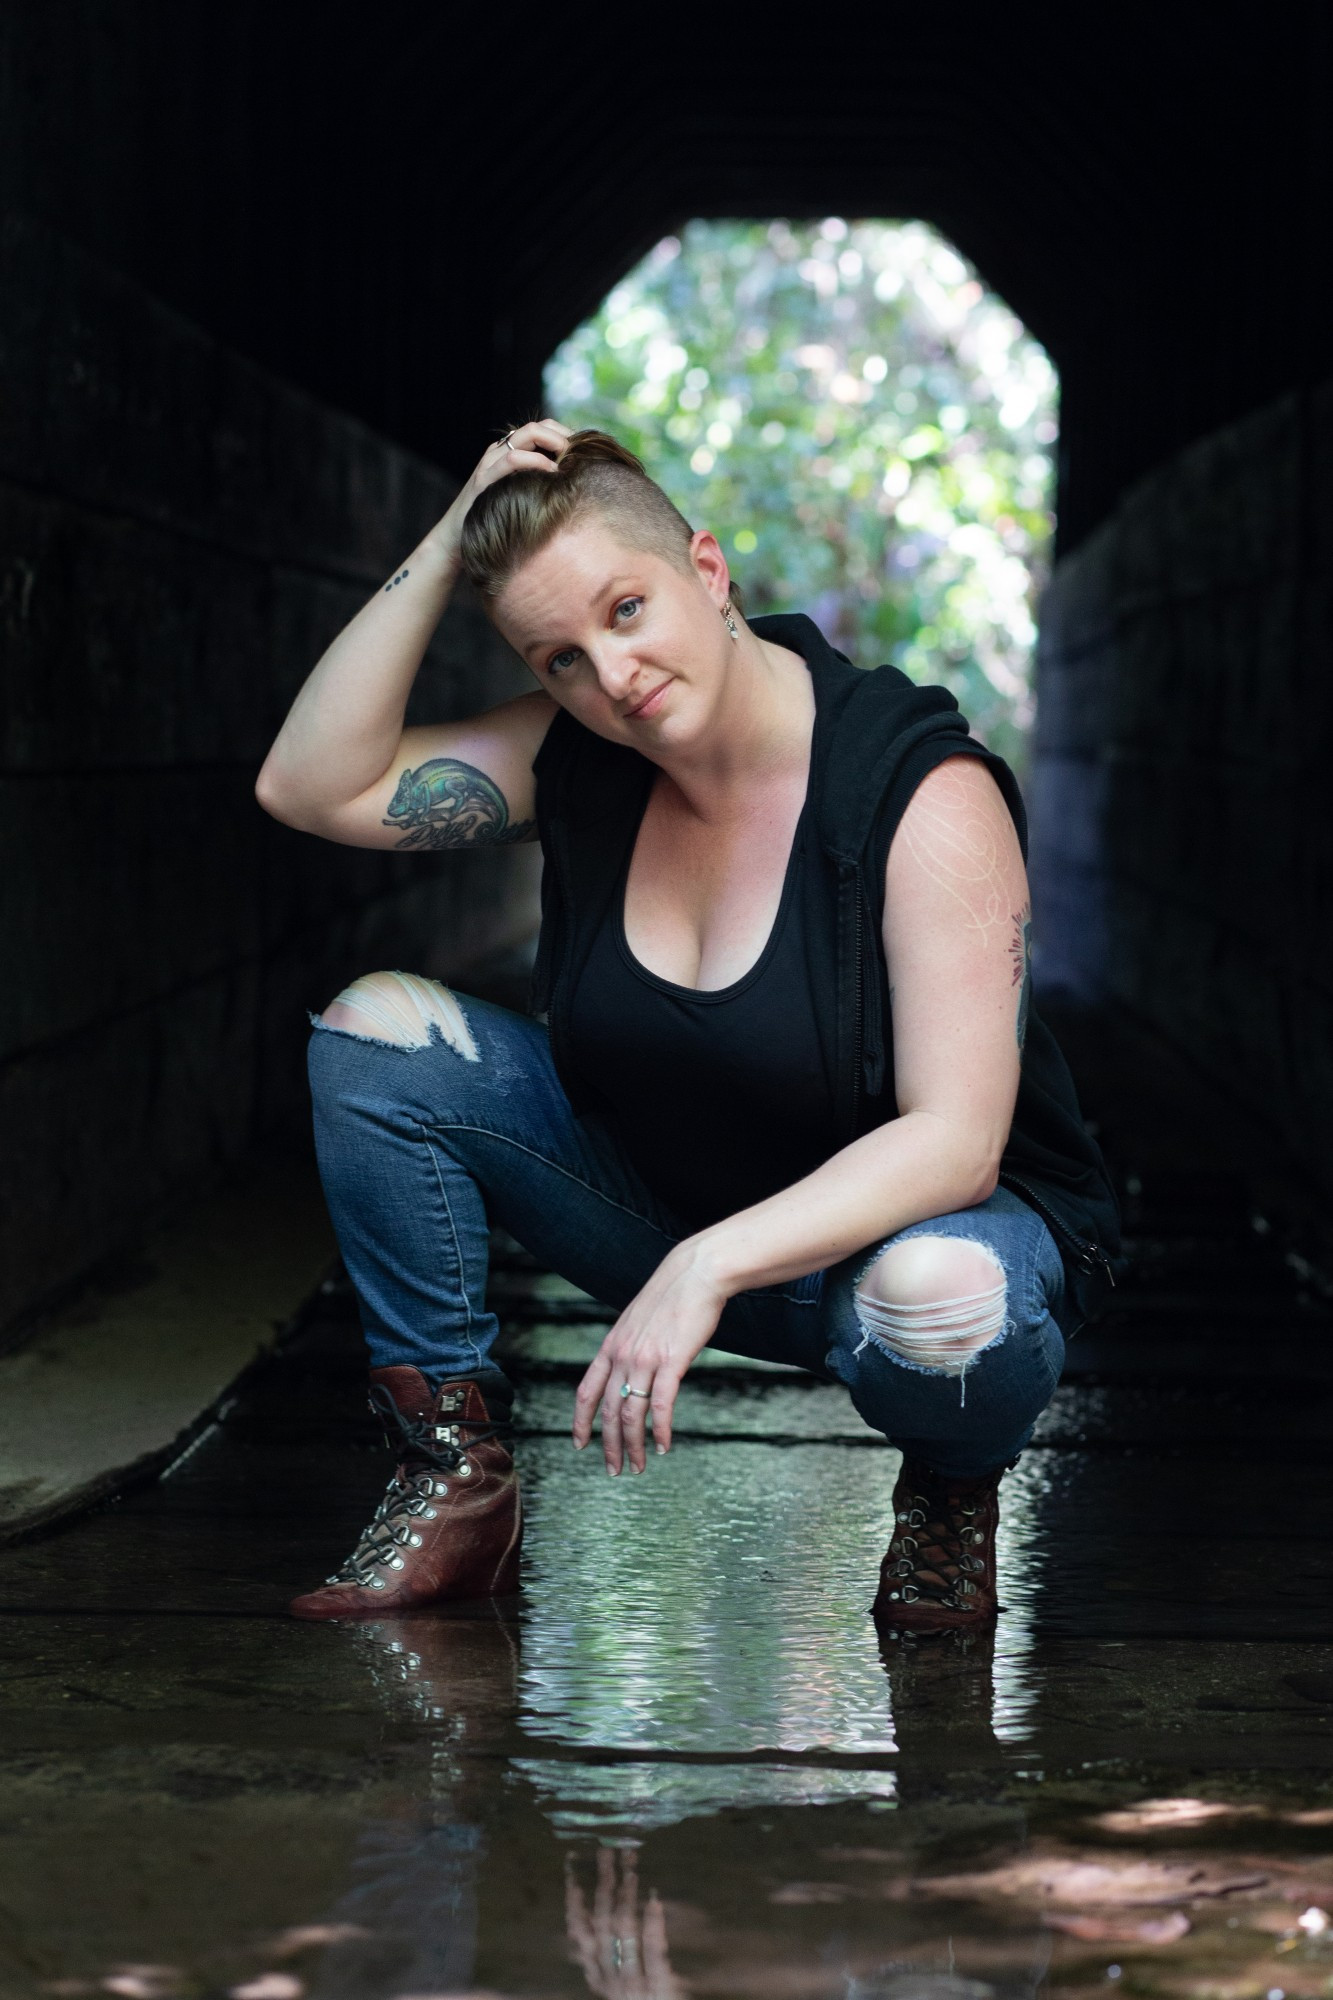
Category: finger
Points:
column 656, row 1962
column 578, row 1925
column 537, row 431
column 628, row 1911
column 634, row 1426
column 665, row 1384
column 613, row 1449
column 588, row 1395
column 604, row 1900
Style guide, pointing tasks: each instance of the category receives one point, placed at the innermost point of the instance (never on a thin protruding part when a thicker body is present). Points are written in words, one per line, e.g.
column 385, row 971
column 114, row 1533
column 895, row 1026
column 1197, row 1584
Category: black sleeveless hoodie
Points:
column 879, row 734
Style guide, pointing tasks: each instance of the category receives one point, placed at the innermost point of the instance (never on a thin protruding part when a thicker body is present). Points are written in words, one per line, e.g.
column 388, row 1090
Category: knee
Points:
column 933, row 1301
column 403, row 1009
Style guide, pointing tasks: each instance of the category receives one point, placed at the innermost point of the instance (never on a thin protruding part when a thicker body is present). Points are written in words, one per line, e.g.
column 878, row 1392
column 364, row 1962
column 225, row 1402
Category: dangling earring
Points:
column 732, row 626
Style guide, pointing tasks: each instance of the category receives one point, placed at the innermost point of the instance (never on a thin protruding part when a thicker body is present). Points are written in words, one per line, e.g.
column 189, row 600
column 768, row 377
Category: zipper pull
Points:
column 1093, row 1255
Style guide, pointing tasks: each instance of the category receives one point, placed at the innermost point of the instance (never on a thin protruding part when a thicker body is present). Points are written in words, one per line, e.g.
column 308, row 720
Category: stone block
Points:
column 137, row 886
column 110, row 1126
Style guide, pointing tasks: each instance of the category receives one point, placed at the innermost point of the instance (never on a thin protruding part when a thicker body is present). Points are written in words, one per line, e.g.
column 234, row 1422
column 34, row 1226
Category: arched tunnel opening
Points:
column 993, row 362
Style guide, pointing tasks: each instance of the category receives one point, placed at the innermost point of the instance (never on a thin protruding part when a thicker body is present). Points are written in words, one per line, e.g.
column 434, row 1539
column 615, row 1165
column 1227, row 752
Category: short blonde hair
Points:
column 595, row 474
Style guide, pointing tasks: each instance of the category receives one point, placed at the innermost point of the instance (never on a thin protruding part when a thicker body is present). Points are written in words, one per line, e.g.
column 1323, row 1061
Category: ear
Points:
column 708, row 559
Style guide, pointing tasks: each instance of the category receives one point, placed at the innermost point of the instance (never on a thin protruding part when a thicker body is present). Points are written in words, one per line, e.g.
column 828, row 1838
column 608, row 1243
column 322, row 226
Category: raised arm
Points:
column 343, row 765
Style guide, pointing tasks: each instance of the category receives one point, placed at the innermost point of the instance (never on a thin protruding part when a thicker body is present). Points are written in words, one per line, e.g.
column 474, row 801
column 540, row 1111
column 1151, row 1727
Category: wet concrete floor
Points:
column 682, row 1762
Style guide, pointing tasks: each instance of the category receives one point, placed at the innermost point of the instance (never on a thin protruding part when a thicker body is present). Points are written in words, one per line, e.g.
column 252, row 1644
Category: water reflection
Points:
column 718, row 1608
column 620, row 1946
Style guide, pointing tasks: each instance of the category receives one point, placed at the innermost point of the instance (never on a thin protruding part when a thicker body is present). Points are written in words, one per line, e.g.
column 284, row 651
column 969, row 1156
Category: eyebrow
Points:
column 600, row 593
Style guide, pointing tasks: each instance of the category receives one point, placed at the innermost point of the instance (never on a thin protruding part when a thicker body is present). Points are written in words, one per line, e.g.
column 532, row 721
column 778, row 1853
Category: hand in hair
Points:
column 534, row 446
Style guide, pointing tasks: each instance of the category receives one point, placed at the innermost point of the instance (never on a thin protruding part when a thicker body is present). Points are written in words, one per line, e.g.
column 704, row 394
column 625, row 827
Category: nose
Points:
column 620, row 677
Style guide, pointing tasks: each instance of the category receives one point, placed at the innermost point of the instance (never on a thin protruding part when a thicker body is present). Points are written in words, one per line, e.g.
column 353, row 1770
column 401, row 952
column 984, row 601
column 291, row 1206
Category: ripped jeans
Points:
column 437, row 1115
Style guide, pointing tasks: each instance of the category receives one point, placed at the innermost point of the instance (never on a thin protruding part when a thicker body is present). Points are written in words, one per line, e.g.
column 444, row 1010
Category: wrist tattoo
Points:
column 446, row 803
column 401, row 577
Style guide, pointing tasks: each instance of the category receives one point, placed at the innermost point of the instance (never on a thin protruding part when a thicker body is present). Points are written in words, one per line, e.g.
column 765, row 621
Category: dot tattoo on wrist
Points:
column 401, row 577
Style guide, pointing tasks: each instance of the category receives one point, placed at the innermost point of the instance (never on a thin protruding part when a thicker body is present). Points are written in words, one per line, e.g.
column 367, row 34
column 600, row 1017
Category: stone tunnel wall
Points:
column 1182, row 850
column 180, row 536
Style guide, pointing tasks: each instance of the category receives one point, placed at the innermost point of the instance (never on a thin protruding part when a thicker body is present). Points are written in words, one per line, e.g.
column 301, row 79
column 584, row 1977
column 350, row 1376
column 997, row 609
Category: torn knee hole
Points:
column 934, row 1302
column 403, row 1009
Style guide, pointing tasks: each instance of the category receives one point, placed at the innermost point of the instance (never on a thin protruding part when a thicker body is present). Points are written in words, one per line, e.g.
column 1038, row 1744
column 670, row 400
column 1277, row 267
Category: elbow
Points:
column 276, row 802
column 986, row 1181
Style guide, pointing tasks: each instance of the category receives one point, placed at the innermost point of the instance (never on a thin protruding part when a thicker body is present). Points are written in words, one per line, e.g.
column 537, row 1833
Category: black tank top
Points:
column 721, row 1097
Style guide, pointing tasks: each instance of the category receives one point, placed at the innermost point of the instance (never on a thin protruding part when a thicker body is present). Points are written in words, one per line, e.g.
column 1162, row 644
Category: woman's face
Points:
column 606, row 628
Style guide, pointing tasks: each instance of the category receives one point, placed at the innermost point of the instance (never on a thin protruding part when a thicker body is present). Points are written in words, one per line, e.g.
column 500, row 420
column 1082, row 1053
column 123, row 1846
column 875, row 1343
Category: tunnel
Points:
column 274, row 277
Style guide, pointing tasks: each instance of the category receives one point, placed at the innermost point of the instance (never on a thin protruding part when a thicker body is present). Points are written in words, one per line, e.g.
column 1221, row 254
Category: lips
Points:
column 650, row 701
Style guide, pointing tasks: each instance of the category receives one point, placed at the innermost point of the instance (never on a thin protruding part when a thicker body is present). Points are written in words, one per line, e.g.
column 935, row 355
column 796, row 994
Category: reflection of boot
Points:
column 450, row 1524
column 455, row 1667
column 942, row 1695
column 938, row 1573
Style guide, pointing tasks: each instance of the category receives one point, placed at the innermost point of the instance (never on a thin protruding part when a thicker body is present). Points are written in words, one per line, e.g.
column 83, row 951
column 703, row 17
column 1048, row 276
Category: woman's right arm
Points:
column 343, row 765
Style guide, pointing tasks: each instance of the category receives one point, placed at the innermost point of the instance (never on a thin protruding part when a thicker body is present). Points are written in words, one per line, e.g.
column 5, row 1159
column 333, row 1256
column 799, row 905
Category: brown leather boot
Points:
column 451, row 1522
column 938, row 1573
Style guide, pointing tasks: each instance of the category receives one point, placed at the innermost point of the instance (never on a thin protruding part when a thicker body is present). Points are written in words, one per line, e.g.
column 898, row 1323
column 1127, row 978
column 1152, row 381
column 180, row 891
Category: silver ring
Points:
column 625, row 1390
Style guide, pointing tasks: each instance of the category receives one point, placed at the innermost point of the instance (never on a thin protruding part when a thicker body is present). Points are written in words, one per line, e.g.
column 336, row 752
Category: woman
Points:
column 792, row 1098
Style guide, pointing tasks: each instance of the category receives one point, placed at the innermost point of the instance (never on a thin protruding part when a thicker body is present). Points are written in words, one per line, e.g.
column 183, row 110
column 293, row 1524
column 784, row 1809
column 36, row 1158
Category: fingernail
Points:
column 661, row 1451
column 613, row 1470
column 579, row 1443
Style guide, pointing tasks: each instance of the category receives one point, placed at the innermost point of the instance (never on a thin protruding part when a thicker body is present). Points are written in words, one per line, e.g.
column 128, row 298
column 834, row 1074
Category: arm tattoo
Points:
column 446, row 803
column 956, row 843
column 401, row 577
column 1020, row 952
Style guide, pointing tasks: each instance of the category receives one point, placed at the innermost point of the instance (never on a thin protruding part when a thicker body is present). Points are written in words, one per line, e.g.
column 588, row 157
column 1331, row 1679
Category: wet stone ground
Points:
column 681, row 1762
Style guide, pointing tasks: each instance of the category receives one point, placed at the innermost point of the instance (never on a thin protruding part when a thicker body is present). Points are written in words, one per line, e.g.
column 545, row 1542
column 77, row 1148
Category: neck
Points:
column 758, row 735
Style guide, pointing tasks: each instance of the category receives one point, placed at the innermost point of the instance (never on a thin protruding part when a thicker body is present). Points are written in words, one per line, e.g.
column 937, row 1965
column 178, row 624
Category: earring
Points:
column 731, row 624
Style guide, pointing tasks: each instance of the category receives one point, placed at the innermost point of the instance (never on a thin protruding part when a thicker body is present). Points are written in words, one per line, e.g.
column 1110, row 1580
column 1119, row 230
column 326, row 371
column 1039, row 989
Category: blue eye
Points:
column 553, row 665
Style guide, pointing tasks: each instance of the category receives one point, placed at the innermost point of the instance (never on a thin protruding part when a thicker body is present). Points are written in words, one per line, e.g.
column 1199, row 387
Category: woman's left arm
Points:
column 956, row 933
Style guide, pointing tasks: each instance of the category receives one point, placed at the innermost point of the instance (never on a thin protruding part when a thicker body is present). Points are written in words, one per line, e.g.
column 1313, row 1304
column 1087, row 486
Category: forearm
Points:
column 344, row 728
column 905, row 1171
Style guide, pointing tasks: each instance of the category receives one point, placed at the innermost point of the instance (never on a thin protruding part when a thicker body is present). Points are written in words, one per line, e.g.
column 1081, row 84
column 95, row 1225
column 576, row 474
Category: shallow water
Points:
column 683, row 1761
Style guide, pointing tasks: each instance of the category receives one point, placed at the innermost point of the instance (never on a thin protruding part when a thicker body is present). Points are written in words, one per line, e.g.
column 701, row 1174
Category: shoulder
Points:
column 955, row 844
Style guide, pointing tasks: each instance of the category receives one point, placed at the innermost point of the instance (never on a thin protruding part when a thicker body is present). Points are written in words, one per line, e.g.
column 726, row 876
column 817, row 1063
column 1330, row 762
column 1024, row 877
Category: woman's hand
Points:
column 650, row 1347
column 623, row 1952
column 531, row 447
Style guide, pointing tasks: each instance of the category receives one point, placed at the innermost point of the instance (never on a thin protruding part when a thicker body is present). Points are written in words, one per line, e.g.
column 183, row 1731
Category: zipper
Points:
column 1090, row 1254
column 857, row 1030
column 560, row 945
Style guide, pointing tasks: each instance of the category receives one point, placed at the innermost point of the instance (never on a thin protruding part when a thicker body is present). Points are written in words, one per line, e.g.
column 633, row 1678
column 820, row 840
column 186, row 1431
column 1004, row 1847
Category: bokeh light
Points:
column 865, row 427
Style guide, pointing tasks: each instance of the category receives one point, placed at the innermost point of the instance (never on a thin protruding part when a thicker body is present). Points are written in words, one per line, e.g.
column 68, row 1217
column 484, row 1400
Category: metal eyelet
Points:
column 465, row 1470
column 440, row 1486
column 431, row 1514
column 377, row 1583
column 414, row 1541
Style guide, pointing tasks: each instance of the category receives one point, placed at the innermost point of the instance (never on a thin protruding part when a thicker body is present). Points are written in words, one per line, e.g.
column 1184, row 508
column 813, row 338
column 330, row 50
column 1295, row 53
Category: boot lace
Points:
column 422, row 1457
column 941, row 1527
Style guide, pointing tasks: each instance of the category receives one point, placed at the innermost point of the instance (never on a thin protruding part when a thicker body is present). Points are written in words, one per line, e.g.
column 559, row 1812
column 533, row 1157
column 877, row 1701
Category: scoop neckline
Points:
column 707, row 994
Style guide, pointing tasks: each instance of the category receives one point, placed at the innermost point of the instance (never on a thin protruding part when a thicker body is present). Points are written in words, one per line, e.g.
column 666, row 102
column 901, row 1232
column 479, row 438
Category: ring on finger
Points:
column 625, row 1390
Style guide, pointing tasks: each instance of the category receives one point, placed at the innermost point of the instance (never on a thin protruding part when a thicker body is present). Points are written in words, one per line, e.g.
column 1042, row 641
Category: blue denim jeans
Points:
column 422, row 1149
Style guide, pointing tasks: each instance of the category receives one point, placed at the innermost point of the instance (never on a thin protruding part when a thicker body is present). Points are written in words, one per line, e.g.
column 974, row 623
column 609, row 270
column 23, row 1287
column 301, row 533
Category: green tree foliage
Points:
column 865, row 428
